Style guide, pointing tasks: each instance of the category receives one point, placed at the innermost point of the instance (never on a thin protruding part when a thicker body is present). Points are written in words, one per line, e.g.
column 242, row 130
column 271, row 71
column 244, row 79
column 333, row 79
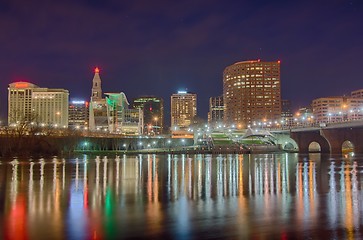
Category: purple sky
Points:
column 158, row 47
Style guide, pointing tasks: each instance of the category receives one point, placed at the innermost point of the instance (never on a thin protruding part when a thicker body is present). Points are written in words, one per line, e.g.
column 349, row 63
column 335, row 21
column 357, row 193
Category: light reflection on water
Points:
column 181, row 196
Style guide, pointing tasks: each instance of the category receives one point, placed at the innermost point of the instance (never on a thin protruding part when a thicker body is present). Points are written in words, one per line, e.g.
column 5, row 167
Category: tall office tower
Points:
column 97, row 109
column 30, row 103
column 153, row 111
column 216, row 110
column 251, row 92
column 183, row 109
column 78, row 114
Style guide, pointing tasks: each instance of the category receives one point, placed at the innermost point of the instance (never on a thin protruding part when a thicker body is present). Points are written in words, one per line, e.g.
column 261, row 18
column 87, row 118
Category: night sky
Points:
column 159, row 47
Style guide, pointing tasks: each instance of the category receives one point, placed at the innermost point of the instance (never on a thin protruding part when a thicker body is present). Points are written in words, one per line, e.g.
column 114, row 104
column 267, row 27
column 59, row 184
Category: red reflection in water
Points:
column 94, row 227
column 15, row 223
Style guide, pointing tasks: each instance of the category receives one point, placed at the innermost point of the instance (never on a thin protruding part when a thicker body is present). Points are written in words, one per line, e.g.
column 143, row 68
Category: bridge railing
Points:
column 315, row 125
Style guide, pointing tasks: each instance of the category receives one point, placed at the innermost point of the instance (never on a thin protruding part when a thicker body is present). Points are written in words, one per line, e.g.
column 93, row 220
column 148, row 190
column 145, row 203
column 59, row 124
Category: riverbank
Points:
column 258, row 149
column 64, row 146
column 167, row 151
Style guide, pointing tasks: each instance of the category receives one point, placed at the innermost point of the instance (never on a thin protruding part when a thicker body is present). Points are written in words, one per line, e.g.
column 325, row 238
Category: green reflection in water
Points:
column 110, row 227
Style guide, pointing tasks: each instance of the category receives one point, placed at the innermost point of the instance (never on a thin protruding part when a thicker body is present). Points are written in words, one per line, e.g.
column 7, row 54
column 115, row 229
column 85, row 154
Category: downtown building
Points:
column 357, row 93
column 183, row 112
column 216, row 111
column 78, row 113
column 337, row 109
column 153, row 111
column 287, row 117
column 111, row 114
column 98, row 120
column 28, row 103
column 304, row 116
column 252, row 93
column 121, row 119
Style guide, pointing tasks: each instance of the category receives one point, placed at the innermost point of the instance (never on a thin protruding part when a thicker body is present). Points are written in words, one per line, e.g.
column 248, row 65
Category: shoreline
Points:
column 148, row 151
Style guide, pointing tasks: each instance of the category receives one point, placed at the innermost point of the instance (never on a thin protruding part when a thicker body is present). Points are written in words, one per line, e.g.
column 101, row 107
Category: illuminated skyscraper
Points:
column 216, row 110
column 183, row 109
column 29, row 103
column 251, row 91
column 153, row 111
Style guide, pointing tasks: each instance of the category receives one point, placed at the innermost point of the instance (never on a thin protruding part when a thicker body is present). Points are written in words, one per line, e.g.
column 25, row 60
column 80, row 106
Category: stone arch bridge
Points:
column 330, row 138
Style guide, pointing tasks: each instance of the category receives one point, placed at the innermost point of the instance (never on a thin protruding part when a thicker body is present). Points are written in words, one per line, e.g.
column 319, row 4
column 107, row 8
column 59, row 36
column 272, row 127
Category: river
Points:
column 261, row 196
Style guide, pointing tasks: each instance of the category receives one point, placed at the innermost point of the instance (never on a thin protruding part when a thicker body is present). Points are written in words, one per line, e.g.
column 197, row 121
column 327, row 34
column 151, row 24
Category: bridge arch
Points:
column 285, row 141
column 289, row 146
column 314, row 147
column 347, row 147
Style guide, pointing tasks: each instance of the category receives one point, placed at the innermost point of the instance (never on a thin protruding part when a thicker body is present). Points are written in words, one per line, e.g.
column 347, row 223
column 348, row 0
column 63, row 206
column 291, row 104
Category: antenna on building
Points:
column 259, row 54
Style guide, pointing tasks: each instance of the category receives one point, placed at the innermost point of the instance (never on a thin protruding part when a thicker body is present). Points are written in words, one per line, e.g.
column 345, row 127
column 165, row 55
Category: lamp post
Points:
column 351, row 115
column 85, row 145
column 169, row 144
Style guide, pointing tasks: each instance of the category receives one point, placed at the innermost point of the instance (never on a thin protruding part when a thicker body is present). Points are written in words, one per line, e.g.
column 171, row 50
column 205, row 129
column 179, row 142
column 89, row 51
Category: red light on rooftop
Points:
column 278, row 61
column 21, row 85
column 97, row 70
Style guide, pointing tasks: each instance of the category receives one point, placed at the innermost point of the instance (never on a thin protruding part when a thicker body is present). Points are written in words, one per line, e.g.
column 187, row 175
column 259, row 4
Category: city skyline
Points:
column 161, row 47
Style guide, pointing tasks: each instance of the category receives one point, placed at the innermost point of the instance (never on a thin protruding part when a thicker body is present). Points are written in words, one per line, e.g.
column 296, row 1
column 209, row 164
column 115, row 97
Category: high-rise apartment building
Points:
column 78, row 114
column 183, row 109
column 252, row 93
column 29, row 103
column 153, row 111
column 216, row 110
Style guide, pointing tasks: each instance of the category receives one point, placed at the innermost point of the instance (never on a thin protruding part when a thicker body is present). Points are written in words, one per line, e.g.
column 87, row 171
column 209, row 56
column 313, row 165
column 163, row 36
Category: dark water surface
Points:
column 267, row 196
